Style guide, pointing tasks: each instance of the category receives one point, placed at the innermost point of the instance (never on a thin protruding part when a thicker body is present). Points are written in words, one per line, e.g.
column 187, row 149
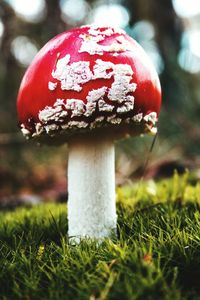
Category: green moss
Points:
column 156, row 255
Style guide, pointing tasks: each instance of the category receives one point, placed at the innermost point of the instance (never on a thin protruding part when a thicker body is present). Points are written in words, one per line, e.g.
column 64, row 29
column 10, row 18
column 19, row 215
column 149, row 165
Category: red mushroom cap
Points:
column 87, row 78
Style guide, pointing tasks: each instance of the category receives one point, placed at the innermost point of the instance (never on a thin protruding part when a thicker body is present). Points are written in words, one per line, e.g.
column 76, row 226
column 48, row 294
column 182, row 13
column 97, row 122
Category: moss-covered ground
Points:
column 156, row 255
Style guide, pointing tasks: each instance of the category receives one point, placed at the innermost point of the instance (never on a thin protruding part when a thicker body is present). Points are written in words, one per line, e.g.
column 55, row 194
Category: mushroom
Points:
column 89, row 87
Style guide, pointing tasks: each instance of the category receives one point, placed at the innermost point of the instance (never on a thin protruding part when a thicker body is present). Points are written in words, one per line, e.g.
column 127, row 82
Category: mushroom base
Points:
column 91, row 187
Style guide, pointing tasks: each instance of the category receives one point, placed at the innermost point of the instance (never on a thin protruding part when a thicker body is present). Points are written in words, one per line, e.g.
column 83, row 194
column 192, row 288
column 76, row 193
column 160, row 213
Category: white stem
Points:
column 91, row 188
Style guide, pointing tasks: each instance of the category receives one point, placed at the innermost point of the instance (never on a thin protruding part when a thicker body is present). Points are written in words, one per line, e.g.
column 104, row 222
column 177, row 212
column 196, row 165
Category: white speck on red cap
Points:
column 59, row 102
column 73, row 75
column 92, row 98
column 151, row 117
column 121, row 86
column 103, row 69
column 95, row 30
column 60, row 66
column 51, row 127
column 91, row 46
column 52, row 86
column 96, row 34
column 99, row 28
column 77, row 107
column 77, row 124
column 25, row 131
column 38, row 128
column 153, row 130
column 97, row 122
column 103, row 106
column 50, row 114
column 126, row 107
column 97, row 94
column 114, row 119
column 138, row 117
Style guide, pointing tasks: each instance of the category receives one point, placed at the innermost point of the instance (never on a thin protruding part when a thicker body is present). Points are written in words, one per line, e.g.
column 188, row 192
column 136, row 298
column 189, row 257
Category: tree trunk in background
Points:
column 169, row 29
column 169, row 33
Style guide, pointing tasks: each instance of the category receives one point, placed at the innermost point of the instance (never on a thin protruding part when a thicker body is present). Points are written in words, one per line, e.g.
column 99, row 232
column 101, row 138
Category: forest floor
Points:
column 156, row 254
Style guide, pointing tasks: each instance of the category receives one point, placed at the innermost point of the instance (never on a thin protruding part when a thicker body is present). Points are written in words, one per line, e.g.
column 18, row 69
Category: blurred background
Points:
column 169, row 31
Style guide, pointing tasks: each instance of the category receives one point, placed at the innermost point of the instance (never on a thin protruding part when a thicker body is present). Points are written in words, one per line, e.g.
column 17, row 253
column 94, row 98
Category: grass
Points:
column 156, row 256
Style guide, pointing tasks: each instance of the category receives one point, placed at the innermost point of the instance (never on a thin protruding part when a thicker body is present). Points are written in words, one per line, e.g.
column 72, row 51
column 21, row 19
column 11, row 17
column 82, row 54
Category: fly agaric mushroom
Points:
column 89, row 86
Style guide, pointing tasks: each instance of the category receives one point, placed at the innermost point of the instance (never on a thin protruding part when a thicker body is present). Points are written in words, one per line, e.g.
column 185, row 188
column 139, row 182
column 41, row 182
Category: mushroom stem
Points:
column 91, row 188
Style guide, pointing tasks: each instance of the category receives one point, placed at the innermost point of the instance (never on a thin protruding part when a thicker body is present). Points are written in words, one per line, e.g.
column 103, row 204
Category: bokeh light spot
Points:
column 186, row 8
column 144, row 33
column 188, row 62
column 189, row 55
column 31, row 11
column 194, row 41
column 143, row 30
column 74, row 12
column 1, row 28
column 155, row 57
column 110, row 15
column 23, row 50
